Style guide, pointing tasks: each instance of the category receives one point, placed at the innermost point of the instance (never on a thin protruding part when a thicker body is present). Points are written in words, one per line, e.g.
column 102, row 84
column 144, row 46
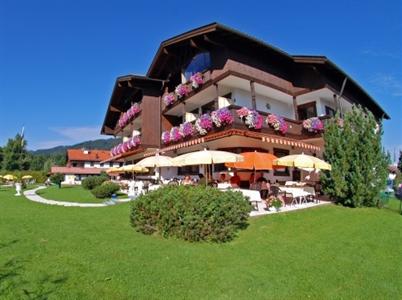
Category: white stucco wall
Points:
column 243, row 98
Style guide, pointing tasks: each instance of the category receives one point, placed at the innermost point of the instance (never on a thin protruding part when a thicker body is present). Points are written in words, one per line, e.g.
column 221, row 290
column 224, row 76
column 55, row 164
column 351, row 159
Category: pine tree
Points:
column 359, row 165
column 400, row 161
column 15, row 154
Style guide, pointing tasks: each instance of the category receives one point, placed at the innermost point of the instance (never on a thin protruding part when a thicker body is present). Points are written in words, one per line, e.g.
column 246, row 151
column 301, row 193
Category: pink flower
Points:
column 175, row 134
column 222, row 116
column 196, row 80
column 313, row 125
column 166, row 137
column 277, row 123
column 203, row 124
column 182, row 90
column 242, row 112
column 169, row 98
column 186, row 129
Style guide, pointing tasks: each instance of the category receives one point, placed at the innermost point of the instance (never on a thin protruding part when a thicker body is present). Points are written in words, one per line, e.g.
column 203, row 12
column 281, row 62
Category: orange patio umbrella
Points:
column 254, row 161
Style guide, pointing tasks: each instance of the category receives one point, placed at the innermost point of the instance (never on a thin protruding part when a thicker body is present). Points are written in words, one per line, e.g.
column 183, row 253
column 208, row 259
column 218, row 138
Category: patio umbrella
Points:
column 9, row 177
column 206, row 157
column 254, row 161
column 27, row 177
column 133, row 168
column 302, row 161
column 113, row 170
column 156, row 161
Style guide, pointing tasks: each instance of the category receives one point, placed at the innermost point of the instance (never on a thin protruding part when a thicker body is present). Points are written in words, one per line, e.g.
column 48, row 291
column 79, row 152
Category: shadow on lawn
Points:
column 13, row 280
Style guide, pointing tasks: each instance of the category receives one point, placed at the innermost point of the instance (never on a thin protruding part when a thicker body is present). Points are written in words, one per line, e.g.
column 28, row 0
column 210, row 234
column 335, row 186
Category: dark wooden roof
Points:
column 128, row 89
column 219, row 34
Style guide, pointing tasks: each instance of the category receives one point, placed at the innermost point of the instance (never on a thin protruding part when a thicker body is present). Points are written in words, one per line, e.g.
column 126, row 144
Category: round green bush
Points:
column 105, row 190
column 191, row 213
column 92, row 182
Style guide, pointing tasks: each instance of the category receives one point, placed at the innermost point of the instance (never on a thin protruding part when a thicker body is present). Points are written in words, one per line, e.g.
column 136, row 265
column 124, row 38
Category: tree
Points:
column 359, row 164
column 1, row 157
column 400, row 161
column 57, row 179
column 15, row 154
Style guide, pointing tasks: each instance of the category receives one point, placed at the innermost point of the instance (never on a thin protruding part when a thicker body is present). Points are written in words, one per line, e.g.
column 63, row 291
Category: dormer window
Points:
column 200, row 63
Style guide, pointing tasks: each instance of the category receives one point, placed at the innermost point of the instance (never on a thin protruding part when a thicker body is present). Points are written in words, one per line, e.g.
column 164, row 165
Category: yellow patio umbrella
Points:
column 133, row 168
column 207, row 157
column 9, row 177
column 27, row 177
column 302, row 161
column 113, row 170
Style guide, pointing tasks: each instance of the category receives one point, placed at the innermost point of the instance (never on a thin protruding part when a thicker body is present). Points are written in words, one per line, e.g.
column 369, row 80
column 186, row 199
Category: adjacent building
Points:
column 82, row 163
column 217, row 88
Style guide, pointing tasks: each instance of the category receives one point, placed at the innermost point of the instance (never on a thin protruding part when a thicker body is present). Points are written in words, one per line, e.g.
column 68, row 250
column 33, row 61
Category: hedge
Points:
column 91, row 182
column 191, row 213
column 105, row 190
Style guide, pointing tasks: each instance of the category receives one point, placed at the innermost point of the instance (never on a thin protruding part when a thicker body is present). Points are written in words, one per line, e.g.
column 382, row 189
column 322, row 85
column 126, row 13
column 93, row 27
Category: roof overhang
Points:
column 128, row 89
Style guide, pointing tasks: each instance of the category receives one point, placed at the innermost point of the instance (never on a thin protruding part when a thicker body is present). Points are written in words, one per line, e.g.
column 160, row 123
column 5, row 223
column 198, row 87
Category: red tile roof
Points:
column 91, row 155
column 76, row 171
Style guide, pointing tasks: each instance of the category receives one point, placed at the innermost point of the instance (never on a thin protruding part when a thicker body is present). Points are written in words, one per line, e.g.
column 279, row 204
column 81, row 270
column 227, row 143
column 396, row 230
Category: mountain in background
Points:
column 101, row 144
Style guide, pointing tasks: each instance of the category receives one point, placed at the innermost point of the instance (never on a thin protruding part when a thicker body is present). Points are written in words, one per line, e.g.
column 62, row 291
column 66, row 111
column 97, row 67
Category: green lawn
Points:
column 72, row 194
column 93, row 253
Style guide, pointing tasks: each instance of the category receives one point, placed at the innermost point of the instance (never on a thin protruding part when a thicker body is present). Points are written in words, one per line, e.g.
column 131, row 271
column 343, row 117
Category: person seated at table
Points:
column 187, row 180
column 253, row 181
column 274, row 193
column 235, row 180
column 222, row 178
column 264, row 187
column 202, row 180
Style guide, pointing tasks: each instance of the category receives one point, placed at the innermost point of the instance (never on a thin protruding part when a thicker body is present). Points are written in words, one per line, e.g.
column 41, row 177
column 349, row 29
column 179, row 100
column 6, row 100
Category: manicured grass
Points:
column 72, row 194
column 93, row 253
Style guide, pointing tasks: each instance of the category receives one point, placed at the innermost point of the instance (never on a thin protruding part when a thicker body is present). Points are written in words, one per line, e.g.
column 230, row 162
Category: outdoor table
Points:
column 298, row 192
column 253, row 195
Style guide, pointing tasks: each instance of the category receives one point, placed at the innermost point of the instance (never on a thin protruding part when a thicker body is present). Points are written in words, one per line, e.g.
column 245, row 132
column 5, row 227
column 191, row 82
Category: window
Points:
column 91, row 164
column 101, row 165
column 280, row 153
column 207, row 108
column 329, row 111
column 199, row 63
column 306, row 111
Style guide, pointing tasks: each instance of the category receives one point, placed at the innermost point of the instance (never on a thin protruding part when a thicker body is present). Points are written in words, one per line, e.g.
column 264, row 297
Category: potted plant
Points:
column 277, row 204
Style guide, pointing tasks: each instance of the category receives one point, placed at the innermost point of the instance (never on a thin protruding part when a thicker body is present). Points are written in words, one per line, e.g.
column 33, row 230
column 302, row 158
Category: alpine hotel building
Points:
column 214, row 87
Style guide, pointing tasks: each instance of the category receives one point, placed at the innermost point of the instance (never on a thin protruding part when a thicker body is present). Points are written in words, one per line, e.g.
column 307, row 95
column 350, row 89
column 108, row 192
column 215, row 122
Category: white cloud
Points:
column 78, row 134
column 69, row 136
column 376, row 53
column 387, row 83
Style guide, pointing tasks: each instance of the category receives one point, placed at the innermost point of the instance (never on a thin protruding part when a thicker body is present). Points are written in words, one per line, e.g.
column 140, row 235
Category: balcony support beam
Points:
column 295, row 108
column 216, row 101
column 252, row 90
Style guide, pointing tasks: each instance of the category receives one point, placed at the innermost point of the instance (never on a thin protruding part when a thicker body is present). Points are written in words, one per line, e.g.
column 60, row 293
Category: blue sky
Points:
column 59, row 59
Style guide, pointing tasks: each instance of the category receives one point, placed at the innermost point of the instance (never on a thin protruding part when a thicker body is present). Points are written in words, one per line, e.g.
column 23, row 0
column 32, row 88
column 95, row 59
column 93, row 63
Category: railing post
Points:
column 295, row 108
column 252, row 90
column 216, row 101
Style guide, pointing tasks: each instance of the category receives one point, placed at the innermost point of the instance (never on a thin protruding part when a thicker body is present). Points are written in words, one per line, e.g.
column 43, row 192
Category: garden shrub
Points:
column 57, row 179
column 191, row 213
column 92, row 182
column 105, row 190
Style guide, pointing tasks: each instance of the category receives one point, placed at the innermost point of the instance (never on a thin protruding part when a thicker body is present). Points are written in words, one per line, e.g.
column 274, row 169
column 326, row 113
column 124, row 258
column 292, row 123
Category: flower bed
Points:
column 129, row 115
column 218, row 118
column 250, row 117
column 277, row 123
column 124, row 147
column 314, row 125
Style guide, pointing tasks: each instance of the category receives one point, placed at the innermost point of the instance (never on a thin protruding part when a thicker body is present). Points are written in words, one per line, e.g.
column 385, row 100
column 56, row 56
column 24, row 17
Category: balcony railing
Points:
column 294, row 130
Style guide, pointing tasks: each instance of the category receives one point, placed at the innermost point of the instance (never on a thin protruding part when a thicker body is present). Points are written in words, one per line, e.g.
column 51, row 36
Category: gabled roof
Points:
column 127, row 88
column 232, row 36
column 91, row 155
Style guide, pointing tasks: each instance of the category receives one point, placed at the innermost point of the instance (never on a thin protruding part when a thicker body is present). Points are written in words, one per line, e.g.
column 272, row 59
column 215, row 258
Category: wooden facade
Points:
column 232, row 55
